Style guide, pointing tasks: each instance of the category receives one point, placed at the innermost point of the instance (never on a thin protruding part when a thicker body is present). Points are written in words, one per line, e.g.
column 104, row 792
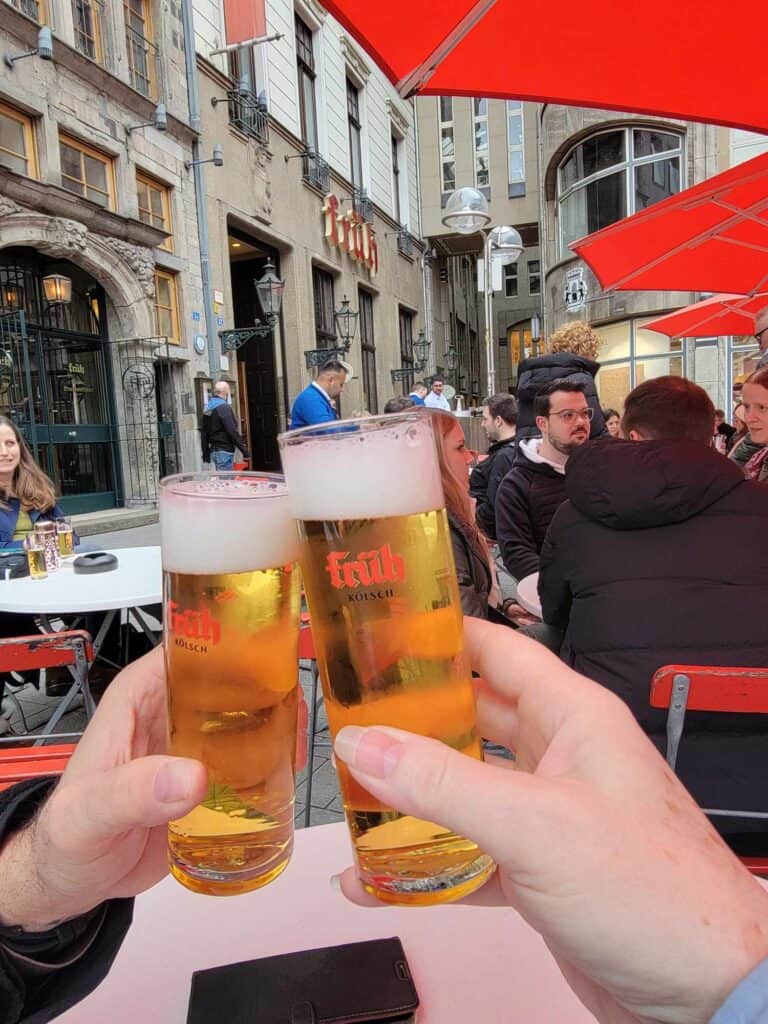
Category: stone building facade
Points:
column 319, row 177
column 101, row 384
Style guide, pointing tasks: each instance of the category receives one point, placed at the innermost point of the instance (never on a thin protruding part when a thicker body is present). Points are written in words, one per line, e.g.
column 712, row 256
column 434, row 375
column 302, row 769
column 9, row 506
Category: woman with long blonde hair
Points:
column 26, row 493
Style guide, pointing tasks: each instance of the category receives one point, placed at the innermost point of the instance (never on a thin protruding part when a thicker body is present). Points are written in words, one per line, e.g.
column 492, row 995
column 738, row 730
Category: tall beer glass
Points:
column 386, row 619
column 231, row 611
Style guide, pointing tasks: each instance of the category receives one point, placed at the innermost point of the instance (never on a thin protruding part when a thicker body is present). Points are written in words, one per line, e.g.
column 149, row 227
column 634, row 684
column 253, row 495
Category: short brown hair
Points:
column 759, row 377
column 669, row 409
column 504, row 406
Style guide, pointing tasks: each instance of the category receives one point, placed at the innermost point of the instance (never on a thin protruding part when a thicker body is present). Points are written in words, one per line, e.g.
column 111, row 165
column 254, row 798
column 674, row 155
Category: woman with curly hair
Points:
column 572, row 356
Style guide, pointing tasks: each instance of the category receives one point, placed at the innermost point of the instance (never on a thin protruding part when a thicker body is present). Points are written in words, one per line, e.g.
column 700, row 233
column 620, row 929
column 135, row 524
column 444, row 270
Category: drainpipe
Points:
column 543, row 238
column 193, row 98
column 426, row 263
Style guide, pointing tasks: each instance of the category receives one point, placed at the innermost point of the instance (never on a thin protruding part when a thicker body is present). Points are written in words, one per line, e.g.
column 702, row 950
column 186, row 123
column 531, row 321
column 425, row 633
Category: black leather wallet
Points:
column 358, row 983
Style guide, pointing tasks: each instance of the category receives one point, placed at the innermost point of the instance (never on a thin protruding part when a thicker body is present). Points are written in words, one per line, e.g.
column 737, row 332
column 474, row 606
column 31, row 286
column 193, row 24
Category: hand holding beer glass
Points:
column 231, row 604
column 386, row 619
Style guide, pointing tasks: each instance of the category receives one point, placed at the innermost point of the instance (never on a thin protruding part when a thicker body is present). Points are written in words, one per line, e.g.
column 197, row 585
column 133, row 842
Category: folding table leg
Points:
column 137, row 613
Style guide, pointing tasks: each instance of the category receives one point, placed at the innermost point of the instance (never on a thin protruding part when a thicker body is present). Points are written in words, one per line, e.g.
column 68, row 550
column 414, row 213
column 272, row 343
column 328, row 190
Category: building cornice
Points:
column 42, row 197
column 400, row 121
column 354, row 60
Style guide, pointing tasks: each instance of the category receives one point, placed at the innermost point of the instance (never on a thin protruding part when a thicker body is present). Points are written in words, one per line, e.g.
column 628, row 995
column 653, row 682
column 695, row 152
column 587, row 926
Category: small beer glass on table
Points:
column 66, row 538
column 383, row 598
column 231, row 597
column 35, row 549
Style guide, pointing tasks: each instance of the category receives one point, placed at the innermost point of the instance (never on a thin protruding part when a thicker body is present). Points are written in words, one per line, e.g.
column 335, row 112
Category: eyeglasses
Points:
column 569, row 416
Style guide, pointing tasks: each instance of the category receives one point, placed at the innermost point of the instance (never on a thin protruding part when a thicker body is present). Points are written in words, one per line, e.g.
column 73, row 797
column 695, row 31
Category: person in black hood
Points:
column 659, row 537
column 220, row 436
column 572, row 353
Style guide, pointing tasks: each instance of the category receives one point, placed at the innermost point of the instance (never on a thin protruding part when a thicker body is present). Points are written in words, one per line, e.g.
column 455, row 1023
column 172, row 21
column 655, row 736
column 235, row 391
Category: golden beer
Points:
column 66, row 538
column 231, row 661
column 387, row 624
column 36, row 561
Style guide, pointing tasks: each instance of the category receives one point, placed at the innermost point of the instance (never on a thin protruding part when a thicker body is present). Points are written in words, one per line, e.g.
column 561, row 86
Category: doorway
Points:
column 257, row 365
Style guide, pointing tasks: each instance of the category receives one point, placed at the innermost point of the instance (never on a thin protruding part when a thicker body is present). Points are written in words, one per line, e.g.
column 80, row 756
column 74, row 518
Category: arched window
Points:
column 613, row 174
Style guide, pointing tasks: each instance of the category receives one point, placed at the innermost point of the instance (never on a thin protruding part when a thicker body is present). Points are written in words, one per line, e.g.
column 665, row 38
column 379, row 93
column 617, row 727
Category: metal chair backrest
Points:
column 681, row 688
column 72, row 649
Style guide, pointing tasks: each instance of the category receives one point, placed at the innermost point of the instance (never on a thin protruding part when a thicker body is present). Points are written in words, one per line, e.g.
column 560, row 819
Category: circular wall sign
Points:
column 199, row 344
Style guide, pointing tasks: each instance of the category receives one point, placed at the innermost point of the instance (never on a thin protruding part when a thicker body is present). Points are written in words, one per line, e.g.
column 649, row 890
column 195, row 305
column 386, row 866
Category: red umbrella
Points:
column 711, row 238
column 722, row 314
column 629, row 56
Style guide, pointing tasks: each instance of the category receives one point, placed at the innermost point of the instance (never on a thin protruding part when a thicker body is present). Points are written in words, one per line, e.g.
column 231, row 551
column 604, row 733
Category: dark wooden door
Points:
column 258, row 359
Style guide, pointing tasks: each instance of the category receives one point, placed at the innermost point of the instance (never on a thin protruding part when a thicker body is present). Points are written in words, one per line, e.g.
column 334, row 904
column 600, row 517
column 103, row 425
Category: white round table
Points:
column 528, row 594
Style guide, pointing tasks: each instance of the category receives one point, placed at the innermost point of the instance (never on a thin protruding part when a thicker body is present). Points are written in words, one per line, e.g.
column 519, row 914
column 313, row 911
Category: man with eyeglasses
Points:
column 761, row 337
column 532, row 490
column 659, row 558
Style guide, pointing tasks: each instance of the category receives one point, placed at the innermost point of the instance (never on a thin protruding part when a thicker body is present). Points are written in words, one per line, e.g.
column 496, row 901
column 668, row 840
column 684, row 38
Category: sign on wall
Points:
column 350, row 233
column 575, row 294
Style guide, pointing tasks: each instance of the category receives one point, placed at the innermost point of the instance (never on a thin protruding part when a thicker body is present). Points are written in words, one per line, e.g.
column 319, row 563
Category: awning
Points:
column 696, row 61
column 720, row 315
column 711, row 238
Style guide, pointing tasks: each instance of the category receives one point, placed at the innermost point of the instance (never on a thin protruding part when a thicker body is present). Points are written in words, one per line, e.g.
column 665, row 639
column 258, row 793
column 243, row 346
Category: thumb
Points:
column 502, row 810
column 140, row 794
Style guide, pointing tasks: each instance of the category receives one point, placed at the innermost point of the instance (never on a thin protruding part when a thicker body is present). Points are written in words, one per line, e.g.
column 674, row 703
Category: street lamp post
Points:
column 466, row 211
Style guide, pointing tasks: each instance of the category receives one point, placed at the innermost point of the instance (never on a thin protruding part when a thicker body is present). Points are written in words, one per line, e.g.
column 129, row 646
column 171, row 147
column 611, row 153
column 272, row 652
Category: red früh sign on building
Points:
column 348, row 231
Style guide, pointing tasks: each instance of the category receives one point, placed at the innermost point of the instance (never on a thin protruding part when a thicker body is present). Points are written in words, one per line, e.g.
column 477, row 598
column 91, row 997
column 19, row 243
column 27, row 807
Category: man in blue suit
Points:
column 316, row 403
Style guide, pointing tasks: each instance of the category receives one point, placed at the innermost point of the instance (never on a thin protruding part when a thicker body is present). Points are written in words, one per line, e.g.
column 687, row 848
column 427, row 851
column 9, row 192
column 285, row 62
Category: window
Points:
column 86, row 172
column 166, row 307
column 305, row 66
column 515, row 150
column 614, row 174
column 86, row 18
column 355, row 135
column 447, row 147
column 395, row 143
column 630, row 354
column 405, row 319
column 142, row 52
column 325, row 327
column 35, row 9
column 534, row 277
column 510, row 280
column 155, row 206
column 368, row 347
column 17, row 142
column 480, row 135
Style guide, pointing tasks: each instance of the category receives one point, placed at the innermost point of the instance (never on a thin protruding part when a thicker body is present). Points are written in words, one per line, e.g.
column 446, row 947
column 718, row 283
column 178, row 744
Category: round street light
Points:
column 506, row 244
column 269, row 289
column 466, row 211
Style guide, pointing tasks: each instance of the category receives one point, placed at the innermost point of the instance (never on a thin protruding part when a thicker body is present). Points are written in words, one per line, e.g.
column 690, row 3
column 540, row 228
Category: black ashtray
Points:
column 95, row 561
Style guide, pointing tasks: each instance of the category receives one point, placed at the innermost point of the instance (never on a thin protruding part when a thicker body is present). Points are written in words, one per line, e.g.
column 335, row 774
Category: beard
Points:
column 569, row 446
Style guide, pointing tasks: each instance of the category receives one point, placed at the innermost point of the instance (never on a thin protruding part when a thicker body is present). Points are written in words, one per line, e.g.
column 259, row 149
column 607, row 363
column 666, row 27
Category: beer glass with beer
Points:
column 386, row 618
column 231, row 617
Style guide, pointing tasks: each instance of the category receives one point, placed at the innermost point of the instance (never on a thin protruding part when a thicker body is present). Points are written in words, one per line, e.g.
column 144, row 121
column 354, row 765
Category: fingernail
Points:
column 172, row 782
column 369, row 751
column 336, row 882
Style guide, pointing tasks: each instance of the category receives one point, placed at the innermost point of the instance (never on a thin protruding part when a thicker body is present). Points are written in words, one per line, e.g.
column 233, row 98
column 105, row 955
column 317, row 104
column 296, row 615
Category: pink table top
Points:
column 469, row 964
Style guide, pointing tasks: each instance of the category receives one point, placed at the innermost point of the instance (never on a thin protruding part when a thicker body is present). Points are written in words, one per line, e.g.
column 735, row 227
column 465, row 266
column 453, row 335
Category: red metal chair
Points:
column 72, row 650
column 681, row 688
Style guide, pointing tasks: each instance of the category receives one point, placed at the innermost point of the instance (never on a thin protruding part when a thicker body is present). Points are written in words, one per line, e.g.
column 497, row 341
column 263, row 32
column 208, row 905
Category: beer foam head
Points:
column 363, row 469
column 217, row 523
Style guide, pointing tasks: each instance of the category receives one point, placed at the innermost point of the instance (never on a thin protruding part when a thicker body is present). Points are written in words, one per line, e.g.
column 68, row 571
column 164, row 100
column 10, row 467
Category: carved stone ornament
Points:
column 141, row 261
column 65, row 237
column 354, row 60
column 311, row 8
column 7, row 207
column 400, row 121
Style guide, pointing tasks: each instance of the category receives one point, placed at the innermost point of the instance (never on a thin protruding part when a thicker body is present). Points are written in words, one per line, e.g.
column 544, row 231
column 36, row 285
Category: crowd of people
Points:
column 646, row 530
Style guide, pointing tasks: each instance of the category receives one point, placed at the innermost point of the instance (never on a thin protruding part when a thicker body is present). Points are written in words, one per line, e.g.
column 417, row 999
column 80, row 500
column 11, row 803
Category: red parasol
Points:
column 624, row 56
column 722, row 314
column 712, row 237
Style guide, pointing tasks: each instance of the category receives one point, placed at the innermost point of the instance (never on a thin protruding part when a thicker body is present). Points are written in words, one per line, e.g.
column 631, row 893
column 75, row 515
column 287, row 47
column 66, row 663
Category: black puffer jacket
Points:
column 535, row 373
column 526, row 501
column 659, row 558
column 484, row 483
column 473, row 571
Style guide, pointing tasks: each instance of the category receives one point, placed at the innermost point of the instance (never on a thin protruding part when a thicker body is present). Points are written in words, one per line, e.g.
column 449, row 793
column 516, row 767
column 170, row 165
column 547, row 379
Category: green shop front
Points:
column 97, row 412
